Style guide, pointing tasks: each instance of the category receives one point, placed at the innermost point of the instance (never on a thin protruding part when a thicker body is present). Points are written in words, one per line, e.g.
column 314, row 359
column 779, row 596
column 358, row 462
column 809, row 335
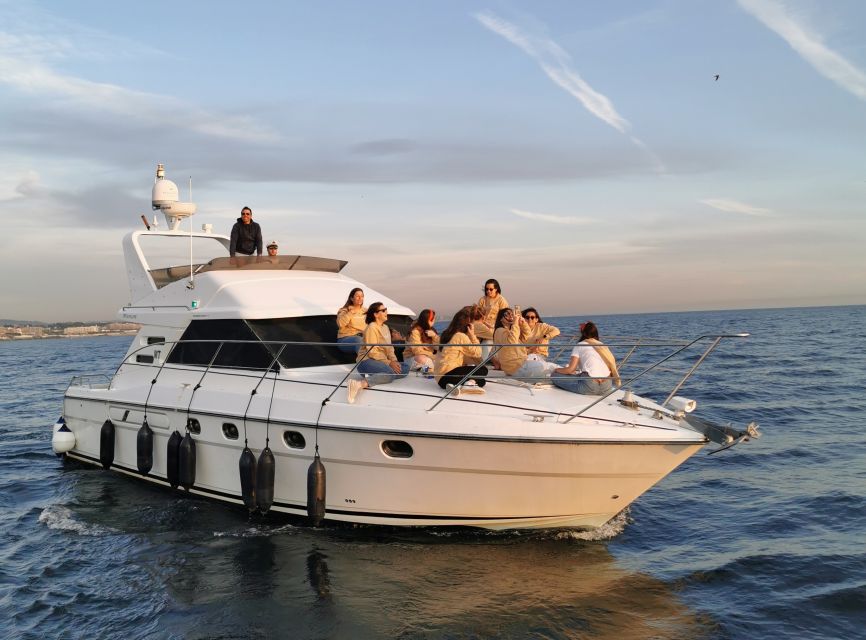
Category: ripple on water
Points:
column 61, row 518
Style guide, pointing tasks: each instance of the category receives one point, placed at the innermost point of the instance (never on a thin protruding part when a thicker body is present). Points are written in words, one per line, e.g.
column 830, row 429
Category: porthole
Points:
column 155, row 340
column 230, row 431
column 294, row 440
column 145, row 359
column 193, row 426
column 397, row 449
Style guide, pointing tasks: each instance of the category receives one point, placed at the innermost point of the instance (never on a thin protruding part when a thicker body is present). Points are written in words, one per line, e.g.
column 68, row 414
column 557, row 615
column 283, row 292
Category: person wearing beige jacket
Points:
column 459, row 352
column 425, row 338
column 516, row 361
column 538, row 332
column 491, row 303
column 351, row 322
column 377, row 360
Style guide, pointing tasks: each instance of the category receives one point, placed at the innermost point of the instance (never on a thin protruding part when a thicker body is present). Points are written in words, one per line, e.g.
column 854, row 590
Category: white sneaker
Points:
column 470, row 383
column 352, row 390
column 454, row 392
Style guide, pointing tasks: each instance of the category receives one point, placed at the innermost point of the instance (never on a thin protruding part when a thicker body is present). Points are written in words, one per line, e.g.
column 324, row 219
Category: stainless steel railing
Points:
column 277, row 348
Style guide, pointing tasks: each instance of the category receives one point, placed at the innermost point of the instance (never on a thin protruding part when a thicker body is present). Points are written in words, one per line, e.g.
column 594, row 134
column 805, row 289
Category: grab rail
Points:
column 679, row 345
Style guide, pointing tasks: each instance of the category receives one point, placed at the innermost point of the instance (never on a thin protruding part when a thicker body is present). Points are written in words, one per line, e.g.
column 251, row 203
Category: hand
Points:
column 395, row 366
column 396, row 335
column 430, row 333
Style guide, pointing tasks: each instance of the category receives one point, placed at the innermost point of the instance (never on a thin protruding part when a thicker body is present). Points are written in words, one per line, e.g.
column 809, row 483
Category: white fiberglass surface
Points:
column 170, row 251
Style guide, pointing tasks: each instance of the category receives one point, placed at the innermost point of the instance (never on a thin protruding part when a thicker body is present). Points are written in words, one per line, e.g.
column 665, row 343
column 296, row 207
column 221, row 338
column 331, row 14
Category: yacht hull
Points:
column 489, row 482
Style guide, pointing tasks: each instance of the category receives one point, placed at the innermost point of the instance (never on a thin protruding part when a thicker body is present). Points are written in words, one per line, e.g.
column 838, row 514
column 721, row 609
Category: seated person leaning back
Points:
column 425, row 338
column 516, row 361
column 591, row 367
column 377, row 360
column 459, row 352
column 351, row 322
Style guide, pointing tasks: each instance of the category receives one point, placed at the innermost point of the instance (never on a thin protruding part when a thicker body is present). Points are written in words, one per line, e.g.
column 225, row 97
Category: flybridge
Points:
column 156, row 258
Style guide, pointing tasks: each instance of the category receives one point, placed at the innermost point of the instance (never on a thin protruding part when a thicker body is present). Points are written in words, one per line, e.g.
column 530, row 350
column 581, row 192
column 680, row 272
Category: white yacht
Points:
column 236, row 363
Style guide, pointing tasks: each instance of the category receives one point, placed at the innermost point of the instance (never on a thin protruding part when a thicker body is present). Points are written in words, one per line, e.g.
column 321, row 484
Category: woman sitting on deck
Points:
column 516, row 361
column 539, row 332
column 351, row 321
column 594, row 363
column 459, row 352
column 490, row 304
column 421, row 333
column 377, row 358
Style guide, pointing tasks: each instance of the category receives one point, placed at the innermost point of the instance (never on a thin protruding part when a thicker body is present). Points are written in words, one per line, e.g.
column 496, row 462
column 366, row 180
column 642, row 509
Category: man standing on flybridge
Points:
column 246, row 235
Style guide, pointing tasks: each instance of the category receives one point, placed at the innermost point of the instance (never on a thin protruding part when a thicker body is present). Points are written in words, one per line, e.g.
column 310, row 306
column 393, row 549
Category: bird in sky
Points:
column 716, row 77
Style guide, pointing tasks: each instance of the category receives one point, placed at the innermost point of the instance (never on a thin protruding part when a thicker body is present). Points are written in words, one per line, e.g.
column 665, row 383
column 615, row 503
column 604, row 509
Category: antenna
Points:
column 191, row 284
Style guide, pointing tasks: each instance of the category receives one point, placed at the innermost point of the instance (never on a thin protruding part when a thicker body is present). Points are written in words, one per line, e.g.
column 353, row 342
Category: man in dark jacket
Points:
column 246, row 235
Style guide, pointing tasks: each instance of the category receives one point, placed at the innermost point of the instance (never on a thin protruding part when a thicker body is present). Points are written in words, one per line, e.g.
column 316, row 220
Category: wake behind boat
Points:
column 234, row 389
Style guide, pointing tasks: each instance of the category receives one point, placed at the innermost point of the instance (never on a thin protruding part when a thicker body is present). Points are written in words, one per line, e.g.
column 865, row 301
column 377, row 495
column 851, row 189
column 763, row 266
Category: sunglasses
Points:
column 490, row 288
column 532, row 317
column 382, row 310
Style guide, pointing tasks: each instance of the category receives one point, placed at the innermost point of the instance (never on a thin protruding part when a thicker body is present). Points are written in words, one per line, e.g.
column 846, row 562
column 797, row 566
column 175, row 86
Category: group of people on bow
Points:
column 519, row 347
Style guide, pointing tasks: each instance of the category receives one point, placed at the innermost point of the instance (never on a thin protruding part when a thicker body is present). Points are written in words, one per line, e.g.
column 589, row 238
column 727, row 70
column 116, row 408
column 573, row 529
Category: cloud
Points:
column 35, row 78
column 556, row 63
column 828, row 63
column 734, row 206
column 18, row 187
column 386, row 147
column 547, row 217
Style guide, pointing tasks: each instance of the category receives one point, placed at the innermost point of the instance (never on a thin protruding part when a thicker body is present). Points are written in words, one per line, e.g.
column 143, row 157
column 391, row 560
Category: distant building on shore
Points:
column 122, row 326
column 29, row 332
column 81, row 331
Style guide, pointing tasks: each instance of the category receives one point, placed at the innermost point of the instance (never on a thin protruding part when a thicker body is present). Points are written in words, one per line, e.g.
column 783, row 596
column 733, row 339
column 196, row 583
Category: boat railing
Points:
column 90, row 381
column 276, row 348
column 683, row 346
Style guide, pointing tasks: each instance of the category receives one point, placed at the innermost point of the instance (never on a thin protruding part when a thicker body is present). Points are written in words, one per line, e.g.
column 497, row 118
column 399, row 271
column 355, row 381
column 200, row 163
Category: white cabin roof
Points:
column 243, row 288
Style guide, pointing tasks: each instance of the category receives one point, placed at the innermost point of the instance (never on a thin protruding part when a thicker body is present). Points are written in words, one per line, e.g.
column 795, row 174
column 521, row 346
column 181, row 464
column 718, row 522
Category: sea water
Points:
column 765, row 540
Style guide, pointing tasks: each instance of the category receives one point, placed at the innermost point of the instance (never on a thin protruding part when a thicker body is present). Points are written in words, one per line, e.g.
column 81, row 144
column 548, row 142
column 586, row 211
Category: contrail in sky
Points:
column 827, row 62
column 735, row 206
column 556, row 63
column 548, row 217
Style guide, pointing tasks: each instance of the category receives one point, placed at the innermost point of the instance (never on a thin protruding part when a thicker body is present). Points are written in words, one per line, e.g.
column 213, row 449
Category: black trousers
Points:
column 456, row 375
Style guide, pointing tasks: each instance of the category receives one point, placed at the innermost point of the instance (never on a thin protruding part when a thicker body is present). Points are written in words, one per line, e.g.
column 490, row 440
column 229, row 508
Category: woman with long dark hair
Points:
column 351, row 322
column 459, row 353
column 539, row 332
column 491, row 303
column 422, row 341
column 515, row 360
column 591, row 368
column 377, row 360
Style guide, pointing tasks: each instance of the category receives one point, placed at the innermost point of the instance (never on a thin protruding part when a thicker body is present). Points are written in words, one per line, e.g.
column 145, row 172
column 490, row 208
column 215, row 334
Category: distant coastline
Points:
column 11, row 330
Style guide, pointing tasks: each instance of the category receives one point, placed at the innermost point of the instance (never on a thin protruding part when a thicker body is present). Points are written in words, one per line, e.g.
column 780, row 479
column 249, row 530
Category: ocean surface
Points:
column 766, row 540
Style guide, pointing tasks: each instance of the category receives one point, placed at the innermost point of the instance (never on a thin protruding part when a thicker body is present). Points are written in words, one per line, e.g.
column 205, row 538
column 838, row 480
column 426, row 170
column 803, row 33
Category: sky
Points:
column 585, row 154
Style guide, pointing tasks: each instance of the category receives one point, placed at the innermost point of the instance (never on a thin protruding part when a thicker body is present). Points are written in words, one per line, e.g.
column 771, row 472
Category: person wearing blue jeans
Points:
column 377, row 361
column 591, row 368
column 582, row 383
column 351, row 322
column 378, row 372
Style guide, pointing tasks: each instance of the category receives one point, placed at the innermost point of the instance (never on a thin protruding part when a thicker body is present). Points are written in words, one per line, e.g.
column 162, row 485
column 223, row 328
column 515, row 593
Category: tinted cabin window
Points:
column 310, row 329
column 246, row 355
